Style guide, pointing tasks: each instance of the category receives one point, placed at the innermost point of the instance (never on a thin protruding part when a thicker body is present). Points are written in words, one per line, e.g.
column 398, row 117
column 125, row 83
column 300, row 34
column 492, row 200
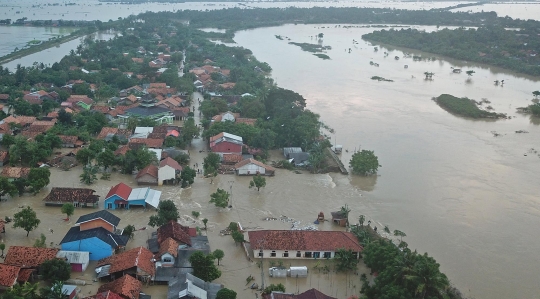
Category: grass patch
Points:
column 464, row 107
column 381, row 79
column 322, row 56
column 313, row 48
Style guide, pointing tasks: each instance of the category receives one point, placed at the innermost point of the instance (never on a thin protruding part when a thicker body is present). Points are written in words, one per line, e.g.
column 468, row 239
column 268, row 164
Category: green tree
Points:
column 345, row 210
column 84, row 156
column 7, row 188
column 220, row 198
column 399, row 234
column 170, row 141
column 364, row 163
column 187, row 176
column 345, row 260
column 238, row 237
column 38, row 178
column 190, row 130
column 258, row 182
column 203, row 266
column 55, row 270
column 129, row 230
column 427, row 278
column 166, row 212
column 195, row 214
column 226, row 294
column 41, row 242
column 68, row 209
column 26, row 219
column 137, row 159
column 361, row 220
column 2, row 248
column 271, row 288
column 211, row 163
column 89, row 175
column 106, row 159
column 7, row 140
column 218, row 254
column 205, row 222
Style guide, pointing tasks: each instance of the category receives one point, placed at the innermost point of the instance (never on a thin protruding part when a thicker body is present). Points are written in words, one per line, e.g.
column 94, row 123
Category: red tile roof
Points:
column 232, row 158
column 106, row 131
column 3, row 155
column 8, row 275
column 253, row 161
column 168, row 246
column 102, row 109
column 83, row 195
column 15, row 172
column 68, row 139
column 149, row 142
column 29, row 257
column 139, row 257
column 24, row 275
column 158, row 85
column 121, row 150
column 176, row 231
column 151, row 170
column 105, row 295
column 303, row 240
column 121, row 190
column 74, row 98
column 170, row 162
column 313, row 294
column 126, row 286
column 247, row 121
column 4, row 96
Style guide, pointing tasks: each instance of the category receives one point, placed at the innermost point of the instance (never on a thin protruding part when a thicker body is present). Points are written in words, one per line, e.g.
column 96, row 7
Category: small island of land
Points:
column 322, row 56
column 464, row 107
column 381, row 79
column 314, row 48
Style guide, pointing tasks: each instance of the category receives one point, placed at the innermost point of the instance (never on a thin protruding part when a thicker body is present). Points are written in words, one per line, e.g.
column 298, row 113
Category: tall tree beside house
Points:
column 220, row 198
column 68, row 209
column 345, row 260
column 85, row 156
column 137, row 159
column 187, row 176
column 238, row 237
column 38, row 178
column 129, row 230
column 106, row 159
column 26, row 219
column 7, row 188
column 89, row 175
column 226, row 294
column 55, row 270
column 258, row 182
column 167, row 211
column 190, row 130
column 7, row 140
column 218, row 254
column 211, row 163
column 203, row 266
column 54, row 292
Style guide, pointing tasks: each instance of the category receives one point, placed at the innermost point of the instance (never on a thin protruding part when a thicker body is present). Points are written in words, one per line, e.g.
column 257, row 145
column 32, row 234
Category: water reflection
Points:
column 364, row 183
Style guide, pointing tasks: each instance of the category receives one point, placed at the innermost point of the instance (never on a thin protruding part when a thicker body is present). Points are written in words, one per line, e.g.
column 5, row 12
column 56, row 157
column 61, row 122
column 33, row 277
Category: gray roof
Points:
column 290, row 150
column 103, row 214
column 180, row 283
column 167, row 274
column 75, row 234
column 74, row 257
column 198, row 243
column 299, row 158
column 147, row 111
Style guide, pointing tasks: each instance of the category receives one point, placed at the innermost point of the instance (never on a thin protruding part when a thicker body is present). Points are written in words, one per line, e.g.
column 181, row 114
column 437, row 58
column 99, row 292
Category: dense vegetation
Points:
column 464, row 107
column 494, row 45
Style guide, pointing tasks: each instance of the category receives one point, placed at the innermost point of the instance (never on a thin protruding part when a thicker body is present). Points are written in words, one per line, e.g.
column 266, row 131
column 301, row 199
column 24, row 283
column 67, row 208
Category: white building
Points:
column 253, row 167
column 298, row 244
column 169, row 169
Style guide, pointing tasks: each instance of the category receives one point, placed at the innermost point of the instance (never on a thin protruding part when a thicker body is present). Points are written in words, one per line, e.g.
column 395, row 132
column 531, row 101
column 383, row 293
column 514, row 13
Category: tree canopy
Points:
column 220, row 198
column 203, row 266
column 26, row 219
column 55, row 270
column 167, row 211
column 364, row 162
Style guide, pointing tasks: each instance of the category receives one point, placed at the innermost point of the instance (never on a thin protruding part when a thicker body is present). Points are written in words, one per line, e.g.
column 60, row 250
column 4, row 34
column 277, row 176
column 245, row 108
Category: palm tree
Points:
column 262, row 94
column 345, row 212
column 426, row 278
column 361, row 220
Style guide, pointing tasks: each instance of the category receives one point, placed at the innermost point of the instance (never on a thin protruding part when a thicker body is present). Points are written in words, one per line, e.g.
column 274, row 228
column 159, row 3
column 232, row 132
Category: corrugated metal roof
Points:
column 74, row 257
column 138, row 193
column 153, row 198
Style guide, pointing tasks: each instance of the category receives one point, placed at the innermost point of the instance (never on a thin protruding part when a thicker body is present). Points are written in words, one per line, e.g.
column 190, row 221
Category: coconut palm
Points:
column 399, row 234
column 426, row 278
column 345, row 212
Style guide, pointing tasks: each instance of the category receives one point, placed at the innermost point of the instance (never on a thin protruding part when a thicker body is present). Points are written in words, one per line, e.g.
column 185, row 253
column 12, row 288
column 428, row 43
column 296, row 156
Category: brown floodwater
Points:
column 466, row 197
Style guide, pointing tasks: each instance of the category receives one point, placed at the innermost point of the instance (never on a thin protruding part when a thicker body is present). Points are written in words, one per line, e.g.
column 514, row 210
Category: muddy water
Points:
column 461, row 194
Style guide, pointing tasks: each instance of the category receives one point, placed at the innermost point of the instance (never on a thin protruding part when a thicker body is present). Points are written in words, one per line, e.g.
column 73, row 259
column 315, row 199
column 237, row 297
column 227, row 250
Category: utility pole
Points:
column 231, row 183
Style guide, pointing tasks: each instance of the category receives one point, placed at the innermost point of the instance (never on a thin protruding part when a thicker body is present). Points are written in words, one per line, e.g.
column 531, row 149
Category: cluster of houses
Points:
column 204, row 80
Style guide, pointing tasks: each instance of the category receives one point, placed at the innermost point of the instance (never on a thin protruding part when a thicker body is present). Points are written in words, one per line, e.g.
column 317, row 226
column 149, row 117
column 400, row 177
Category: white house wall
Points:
column 251, row 169
column 279, row 254
column 165, row 173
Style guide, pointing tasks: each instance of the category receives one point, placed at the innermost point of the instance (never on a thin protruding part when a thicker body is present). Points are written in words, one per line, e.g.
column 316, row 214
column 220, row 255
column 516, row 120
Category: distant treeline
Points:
column 494, row 45
column 235, row 19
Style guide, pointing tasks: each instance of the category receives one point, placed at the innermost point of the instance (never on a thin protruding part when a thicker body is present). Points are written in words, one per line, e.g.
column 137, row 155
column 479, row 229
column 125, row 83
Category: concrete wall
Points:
column 279, row 254
column 251, row 169
column 166, row 173
column 97, row 248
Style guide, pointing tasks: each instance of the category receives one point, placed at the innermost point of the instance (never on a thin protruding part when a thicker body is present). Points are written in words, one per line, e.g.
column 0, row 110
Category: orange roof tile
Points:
column 8, row 275
column 24, row 275
column 121, row 190
column 15, row 172
column 174, row 230
column 303, row 240
column 247, row 121
column 151, row 170
column 126, row 286
column 168, row 246
column 170, row 162
column 232, row 158
column 139, row 257
column 29, row 257
column 149, row 142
